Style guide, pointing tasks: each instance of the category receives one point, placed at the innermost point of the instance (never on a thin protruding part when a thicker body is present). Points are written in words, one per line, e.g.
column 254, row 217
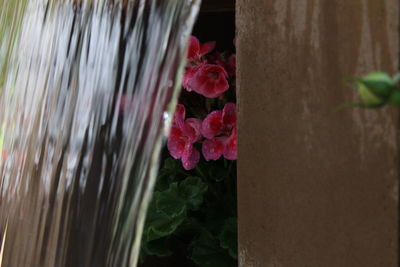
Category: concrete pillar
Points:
column 316, row 188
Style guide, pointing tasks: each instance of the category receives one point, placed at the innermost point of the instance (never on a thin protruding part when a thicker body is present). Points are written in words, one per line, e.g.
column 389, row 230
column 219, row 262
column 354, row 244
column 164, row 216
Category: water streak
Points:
column 87, row 88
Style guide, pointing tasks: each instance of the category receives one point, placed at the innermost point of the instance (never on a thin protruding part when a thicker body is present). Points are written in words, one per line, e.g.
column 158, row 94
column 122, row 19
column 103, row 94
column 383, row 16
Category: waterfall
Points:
column 87, row 89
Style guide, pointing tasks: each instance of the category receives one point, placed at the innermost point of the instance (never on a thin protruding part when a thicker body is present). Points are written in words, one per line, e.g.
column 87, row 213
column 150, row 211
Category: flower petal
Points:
column 229, row 116
column 189, row 73
column 179, row 116
column 176, row 145
column 190, row 157
column 207, row 48
column 213, row 148
column 194, row 48
column 209, row 80
column 212, row 124
column 230, row 151
column 192, row 129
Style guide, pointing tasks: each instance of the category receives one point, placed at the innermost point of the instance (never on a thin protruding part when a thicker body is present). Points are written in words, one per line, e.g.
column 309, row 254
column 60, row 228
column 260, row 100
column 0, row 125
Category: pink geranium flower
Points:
column 206, row 79
column 189, row 73
column 230, row 151
column 197, row 50
column 219, row 127
column 220, row 122
column 184, row 133
column 229, row 64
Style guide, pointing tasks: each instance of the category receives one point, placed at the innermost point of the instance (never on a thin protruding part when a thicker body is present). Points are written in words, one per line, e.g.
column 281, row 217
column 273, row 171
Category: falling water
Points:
column 86, row 94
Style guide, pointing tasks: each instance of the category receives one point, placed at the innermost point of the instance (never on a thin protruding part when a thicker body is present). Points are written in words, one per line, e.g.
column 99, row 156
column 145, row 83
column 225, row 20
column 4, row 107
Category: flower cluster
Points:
column 219, row 127
column 194, row 201
column 208, row 76
column 217, row 133
column 184, row 133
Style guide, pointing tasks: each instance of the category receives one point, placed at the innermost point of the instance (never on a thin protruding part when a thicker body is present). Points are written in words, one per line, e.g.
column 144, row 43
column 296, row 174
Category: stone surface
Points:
column 316, row 187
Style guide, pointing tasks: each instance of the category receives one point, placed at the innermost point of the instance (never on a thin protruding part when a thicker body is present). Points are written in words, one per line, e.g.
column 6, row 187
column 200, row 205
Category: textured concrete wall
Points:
column 316, row 188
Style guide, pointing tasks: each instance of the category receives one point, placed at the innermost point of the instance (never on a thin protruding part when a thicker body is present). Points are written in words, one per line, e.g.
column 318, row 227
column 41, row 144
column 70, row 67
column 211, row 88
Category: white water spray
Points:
column 84, row 90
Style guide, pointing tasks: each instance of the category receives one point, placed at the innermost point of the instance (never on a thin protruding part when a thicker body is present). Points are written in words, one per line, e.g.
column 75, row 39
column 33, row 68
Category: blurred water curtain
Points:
column 87, row 91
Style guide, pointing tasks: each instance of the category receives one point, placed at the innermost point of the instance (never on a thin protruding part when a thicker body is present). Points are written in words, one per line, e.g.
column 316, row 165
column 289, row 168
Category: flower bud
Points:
column 369, row 98
column 380, row 84
column 376, row 89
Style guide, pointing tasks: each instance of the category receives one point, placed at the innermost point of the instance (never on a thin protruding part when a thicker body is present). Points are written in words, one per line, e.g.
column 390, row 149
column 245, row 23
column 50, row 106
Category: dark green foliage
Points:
column 196, row 209
column 192, row 189
column 208, row 252
column 228, row 237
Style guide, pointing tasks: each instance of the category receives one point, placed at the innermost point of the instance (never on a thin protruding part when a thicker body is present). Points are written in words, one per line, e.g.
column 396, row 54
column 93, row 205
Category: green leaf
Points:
column 156, row 248
column 160, row 225
column 168, row 174
column 228, row 237
column 192, row 189
column 170, row 202
column 163, row 228
column 208, row 253
column 163, row 180
column 172, row 164
column 166, row 213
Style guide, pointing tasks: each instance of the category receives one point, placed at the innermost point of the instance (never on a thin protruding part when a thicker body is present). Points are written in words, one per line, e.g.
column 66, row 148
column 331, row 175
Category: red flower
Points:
column 213, row 148
column 196, row 50
column 230, row 151
column 219, row 127
column 220, row 122
column 184, row 133
column 228, row 63
column 207, row 80
column 229, row 117
column 189, row 73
